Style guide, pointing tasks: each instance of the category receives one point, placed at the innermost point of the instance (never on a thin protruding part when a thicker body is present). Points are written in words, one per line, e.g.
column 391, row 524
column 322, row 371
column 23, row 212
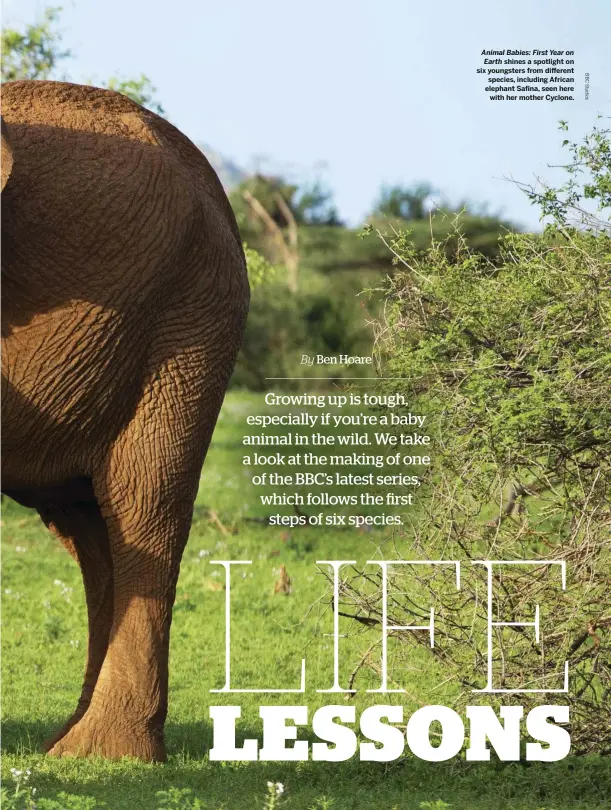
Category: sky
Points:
column 356, row 92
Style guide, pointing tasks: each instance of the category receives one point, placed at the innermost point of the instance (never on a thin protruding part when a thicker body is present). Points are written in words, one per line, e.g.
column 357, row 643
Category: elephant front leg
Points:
column 83, row 532
column 129, row 703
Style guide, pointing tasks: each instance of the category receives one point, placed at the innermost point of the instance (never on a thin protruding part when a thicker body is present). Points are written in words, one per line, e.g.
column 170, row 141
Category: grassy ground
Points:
column 44, row 641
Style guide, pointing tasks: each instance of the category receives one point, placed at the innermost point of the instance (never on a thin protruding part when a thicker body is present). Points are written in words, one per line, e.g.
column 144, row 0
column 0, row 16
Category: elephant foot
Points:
column 90, row 736
column 55, row 738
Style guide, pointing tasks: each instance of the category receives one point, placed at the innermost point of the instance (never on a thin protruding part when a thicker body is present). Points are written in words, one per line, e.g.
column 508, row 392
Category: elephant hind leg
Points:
column 146, row 491
column 83, row 531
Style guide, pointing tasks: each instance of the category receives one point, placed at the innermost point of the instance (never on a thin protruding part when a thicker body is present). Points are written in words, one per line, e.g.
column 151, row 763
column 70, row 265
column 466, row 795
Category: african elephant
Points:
column 124, row 299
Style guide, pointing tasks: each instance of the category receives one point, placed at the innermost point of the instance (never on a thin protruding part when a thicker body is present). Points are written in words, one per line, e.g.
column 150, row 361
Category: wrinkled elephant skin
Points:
column 124, row 298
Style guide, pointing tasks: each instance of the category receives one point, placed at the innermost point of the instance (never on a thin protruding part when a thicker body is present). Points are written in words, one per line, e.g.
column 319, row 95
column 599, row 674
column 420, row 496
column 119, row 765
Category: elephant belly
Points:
column 65, row 493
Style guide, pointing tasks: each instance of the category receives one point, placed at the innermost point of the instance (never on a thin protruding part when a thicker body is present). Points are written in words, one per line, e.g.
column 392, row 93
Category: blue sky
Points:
column 378, row 92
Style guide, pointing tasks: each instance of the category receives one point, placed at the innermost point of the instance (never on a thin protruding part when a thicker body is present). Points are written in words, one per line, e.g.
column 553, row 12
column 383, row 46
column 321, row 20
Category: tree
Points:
column 511, row 363
column 314, row 206
column 35, row 53
column 568, row 205
column 263, row 211
column 310, row 204
column 271, row 211
column 400, row 202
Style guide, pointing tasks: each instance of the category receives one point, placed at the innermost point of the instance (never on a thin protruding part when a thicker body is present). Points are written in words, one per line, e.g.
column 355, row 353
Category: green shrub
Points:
column 511, row 363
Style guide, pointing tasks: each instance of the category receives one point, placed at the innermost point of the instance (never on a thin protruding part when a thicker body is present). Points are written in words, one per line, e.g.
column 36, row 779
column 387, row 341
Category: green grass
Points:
column 44, row 642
